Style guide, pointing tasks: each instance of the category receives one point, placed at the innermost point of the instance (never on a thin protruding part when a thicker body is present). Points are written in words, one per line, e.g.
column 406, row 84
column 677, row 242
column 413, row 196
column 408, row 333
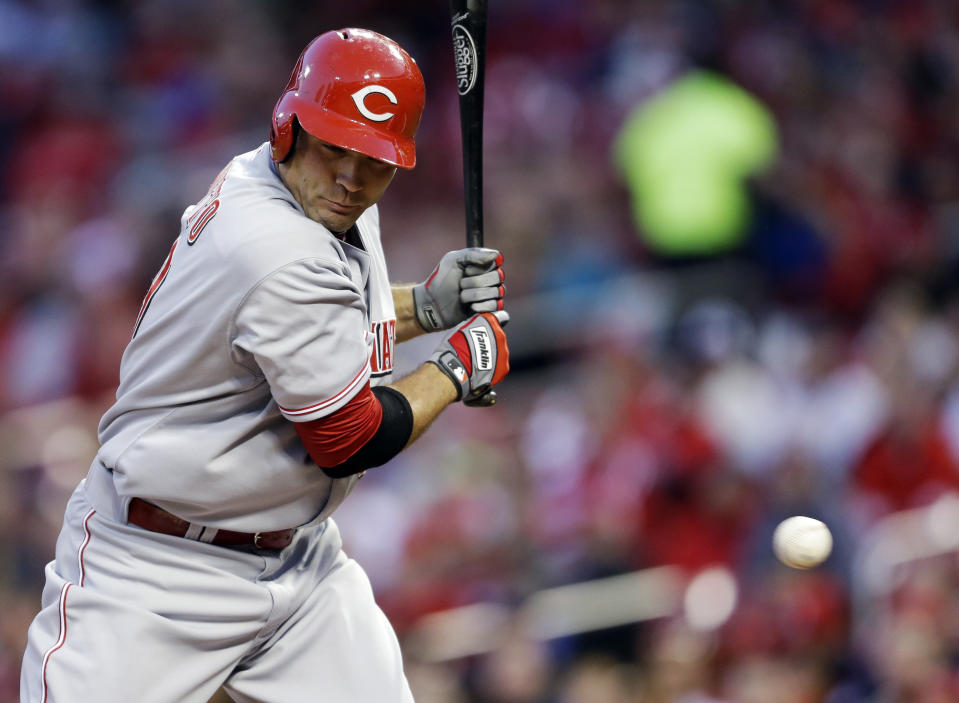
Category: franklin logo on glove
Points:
column 481, row 343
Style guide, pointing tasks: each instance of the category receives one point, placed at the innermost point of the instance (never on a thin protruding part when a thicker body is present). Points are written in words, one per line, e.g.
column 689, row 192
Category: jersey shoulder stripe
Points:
column 358, row 380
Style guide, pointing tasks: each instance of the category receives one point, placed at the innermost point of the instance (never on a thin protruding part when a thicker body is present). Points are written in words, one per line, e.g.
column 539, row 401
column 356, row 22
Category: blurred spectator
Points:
column 687, row 154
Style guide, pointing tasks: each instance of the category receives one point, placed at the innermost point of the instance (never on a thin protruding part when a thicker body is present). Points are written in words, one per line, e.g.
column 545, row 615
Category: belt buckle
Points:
column 276, row 540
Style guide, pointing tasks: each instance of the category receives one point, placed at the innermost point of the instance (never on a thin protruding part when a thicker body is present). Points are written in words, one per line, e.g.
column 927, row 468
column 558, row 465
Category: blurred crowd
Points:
column 667, row 406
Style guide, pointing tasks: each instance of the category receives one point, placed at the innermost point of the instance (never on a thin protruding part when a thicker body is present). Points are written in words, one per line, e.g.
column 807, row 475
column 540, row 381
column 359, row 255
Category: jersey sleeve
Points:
column 304, row 327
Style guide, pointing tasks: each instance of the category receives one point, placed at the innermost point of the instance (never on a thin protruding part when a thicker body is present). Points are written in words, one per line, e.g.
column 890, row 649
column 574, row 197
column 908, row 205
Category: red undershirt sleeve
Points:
column 333, row 439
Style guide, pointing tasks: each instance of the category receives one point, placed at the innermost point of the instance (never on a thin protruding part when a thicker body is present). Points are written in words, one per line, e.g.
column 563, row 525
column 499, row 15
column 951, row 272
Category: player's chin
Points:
column 335, row 221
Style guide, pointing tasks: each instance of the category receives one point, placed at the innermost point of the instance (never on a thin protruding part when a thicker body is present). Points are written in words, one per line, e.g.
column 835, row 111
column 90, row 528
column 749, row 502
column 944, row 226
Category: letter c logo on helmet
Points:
column 360, row 95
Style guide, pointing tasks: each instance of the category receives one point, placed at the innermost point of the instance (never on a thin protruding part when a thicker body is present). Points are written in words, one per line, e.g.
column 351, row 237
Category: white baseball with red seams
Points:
column 234, row 339
column 802, row 542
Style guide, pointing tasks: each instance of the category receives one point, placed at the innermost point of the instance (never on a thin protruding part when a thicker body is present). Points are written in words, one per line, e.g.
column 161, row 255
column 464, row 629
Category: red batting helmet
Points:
column 355, row 89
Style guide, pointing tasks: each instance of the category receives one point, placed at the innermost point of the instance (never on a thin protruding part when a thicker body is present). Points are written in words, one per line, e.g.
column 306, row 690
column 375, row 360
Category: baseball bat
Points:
column 468, row 22
column 468, row 25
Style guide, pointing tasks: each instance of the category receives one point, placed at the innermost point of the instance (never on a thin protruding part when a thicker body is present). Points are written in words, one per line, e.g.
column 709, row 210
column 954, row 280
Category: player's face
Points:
column 333, row 185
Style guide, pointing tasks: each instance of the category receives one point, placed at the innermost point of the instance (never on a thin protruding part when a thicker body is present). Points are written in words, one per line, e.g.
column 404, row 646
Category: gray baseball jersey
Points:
column 258, row 316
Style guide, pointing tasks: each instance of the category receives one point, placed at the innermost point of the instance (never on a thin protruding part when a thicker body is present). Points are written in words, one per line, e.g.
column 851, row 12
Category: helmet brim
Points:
column 343, row 132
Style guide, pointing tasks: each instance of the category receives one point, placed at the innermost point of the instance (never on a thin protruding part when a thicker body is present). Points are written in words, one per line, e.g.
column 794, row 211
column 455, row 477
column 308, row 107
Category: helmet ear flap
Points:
column 283, row 137
column 284, row 124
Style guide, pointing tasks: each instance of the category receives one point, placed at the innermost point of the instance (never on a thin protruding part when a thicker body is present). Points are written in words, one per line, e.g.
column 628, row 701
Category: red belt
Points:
column 155, row 519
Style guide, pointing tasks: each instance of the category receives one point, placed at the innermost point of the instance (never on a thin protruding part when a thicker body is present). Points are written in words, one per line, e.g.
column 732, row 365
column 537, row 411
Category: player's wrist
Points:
column 447, row 365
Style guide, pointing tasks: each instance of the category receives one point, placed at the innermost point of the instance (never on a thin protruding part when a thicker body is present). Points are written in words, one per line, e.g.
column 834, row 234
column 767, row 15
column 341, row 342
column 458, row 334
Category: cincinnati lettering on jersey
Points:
column 384, row 336
column 206, row 208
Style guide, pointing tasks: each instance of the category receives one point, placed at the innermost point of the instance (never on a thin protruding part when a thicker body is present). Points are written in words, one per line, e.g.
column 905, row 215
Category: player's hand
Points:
column 464, row 283
column 475, row 356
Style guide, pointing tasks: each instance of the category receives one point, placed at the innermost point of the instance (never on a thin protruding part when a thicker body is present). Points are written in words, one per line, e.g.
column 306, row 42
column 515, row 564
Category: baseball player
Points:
column 199, row 551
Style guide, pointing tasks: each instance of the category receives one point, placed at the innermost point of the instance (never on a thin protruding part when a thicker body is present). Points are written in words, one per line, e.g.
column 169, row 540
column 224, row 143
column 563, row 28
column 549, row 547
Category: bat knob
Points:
column 482, row 401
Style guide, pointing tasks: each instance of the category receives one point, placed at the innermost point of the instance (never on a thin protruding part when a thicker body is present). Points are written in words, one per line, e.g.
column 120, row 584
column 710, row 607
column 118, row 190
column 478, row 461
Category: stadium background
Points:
column 780, row 339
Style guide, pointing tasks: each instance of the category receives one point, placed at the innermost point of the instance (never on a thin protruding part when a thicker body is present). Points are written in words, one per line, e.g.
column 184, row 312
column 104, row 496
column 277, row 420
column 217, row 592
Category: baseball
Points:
column 802, row 542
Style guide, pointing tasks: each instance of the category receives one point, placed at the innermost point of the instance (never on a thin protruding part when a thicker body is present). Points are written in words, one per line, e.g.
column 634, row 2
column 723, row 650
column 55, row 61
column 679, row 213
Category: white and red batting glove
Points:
column 475, row 355
column 464, row 283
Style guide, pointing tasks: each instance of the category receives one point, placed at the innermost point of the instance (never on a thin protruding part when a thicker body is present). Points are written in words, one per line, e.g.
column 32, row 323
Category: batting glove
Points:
column 464, row 283
column 475, row 355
